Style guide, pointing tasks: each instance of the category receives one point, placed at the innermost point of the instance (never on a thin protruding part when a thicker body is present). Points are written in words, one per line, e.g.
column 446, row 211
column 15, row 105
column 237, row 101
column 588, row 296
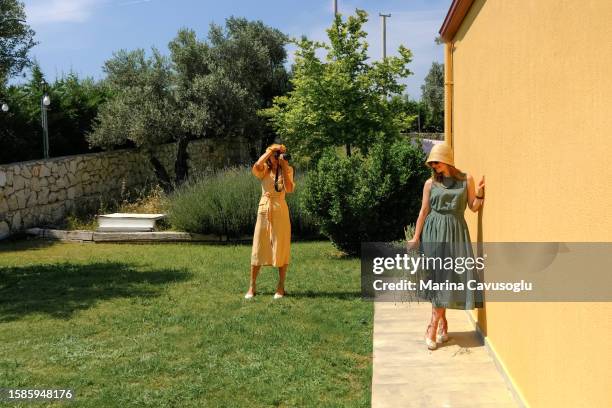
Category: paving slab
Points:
column 141, row 236
column 460, row 373
column 156, row 236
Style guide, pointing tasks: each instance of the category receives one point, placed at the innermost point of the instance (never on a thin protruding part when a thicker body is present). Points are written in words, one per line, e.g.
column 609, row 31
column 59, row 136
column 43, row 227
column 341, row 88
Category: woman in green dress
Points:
column 441, row 231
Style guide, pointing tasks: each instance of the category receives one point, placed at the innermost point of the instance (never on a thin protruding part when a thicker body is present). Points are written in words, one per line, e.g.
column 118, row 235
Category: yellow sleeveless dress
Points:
column 272, row 236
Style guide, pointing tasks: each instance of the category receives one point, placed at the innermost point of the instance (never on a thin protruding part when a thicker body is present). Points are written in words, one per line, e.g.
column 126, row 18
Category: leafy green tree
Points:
column 206, row 89
column 433, row 98
column 223, row 82
column 253, row 55
column 19, row 136
column 142, row 109
column 342, row 100
column 414, row 110
column 16, row 39
column 74, row 105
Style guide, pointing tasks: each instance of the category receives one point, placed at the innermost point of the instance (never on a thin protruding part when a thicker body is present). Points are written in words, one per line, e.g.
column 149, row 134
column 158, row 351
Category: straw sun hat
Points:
column 441, row 153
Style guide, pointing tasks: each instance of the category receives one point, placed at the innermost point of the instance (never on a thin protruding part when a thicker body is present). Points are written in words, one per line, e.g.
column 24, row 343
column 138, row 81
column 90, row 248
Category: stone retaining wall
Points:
column 43, row 192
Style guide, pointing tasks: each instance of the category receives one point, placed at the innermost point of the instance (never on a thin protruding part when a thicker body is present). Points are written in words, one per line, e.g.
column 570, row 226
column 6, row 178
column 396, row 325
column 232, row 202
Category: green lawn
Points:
column 167, row 326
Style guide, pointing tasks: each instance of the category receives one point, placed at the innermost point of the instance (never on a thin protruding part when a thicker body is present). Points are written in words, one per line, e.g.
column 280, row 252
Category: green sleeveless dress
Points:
column 446, row 236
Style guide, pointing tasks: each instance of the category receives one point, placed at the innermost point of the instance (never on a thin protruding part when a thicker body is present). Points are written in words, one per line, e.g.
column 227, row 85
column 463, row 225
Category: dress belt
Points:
column 444, row 212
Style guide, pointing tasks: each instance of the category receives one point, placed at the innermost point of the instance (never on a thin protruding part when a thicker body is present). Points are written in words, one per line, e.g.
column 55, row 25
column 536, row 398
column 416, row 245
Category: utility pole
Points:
column 419, row 115
column 384, row 33
column 335, row 8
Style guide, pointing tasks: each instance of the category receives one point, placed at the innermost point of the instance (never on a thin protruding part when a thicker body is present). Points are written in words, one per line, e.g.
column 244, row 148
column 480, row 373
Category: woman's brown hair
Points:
column 454, row 172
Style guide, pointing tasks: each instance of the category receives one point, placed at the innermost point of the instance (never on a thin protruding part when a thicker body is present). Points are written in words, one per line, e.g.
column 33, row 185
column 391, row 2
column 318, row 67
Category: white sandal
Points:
column 441, row 337
column 431, row 345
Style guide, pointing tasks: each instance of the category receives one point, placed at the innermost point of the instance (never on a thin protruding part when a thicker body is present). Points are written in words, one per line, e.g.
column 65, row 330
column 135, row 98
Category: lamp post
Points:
column 45, row 101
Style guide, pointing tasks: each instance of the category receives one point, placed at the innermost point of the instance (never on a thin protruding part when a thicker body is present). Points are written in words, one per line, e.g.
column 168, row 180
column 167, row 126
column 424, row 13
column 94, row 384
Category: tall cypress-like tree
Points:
column 433, row 98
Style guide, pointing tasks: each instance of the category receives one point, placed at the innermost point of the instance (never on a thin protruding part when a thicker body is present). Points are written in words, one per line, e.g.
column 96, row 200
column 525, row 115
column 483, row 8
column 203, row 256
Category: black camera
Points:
column 286, row 156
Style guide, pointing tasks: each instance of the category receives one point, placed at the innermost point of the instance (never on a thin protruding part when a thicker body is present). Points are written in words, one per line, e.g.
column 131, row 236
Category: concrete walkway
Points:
column 460, row 373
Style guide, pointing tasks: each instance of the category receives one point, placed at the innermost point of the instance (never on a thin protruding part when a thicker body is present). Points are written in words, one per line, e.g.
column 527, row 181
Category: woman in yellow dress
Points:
column 272, row 237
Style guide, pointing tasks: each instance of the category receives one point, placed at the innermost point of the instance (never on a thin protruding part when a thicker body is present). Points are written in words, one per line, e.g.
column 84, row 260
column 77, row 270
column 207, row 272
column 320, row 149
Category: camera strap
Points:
column 276, row 179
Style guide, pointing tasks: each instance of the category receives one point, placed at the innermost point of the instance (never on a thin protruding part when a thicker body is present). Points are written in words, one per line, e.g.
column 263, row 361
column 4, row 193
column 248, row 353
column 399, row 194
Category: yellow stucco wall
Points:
column 532, row 111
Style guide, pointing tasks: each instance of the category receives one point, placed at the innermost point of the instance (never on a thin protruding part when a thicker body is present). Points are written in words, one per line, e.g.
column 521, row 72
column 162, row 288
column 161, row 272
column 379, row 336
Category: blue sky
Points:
column 79, row 35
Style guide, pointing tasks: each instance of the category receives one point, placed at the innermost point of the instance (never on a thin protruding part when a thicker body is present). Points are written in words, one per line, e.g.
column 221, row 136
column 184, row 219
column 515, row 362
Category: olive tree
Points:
column 210, row 88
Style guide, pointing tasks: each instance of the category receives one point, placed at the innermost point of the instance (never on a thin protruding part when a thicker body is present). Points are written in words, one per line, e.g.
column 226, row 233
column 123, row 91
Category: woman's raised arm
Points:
column 475, row 198
column 260, row 165
column 287, row 175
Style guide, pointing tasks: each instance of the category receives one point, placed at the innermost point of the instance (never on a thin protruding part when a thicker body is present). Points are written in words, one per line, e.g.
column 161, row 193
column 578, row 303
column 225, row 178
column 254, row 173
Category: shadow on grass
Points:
column 61, row 289
column 25, row 243
column 316, row 295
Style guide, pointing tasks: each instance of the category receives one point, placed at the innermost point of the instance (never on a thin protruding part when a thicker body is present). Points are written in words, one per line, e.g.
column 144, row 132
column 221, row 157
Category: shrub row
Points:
column 348, row 199
column 225, row 204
